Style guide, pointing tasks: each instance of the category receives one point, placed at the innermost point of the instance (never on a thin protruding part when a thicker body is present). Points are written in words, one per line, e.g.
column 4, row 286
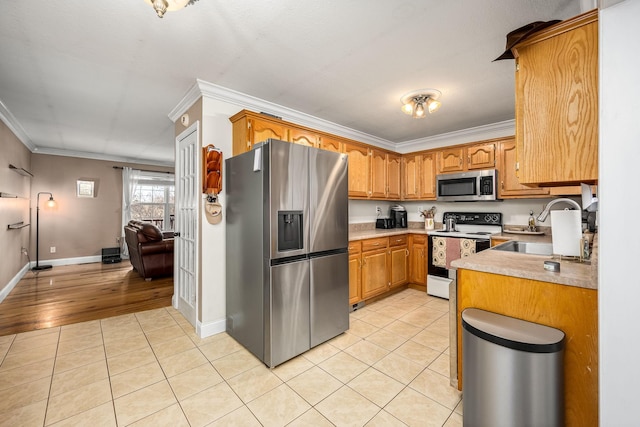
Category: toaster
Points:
column 385, row 223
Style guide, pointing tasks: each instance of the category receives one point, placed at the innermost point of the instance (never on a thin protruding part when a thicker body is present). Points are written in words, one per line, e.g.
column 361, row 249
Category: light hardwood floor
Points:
column 78, row 293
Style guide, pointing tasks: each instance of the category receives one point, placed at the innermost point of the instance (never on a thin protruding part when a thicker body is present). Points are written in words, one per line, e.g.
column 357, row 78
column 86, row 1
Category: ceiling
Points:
column 101, row 77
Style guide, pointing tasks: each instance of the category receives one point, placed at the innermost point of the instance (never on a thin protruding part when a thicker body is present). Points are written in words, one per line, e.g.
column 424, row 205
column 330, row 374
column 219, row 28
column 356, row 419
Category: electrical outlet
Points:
column 23, row 251
column 378, row 210
column 52, row 249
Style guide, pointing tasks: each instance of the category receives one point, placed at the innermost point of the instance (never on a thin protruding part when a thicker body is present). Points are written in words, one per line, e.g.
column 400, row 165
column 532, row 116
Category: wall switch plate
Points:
column 52, row 249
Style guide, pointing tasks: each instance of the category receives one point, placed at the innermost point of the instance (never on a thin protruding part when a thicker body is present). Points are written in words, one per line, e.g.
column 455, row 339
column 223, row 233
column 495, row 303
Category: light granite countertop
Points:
column 572, row 273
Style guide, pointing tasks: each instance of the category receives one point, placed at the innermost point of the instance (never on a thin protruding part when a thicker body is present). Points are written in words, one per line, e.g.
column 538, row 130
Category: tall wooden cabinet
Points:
column 557, row 103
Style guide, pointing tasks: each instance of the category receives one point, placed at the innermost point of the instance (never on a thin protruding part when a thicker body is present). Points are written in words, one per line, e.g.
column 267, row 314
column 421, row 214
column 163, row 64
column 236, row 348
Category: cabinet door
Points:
column 331, row 144
column 399, row 273
column 427, row 176
column 557, row 104
column 359, row 174
column 261, row 130
column 303, row 137
column 375, row 277
column 378, row 174
column 417, row 264
column 451, row 160
column 481, row 156
column 410, row 178
column 509, row 186
column 355, row 279
column 393, row 176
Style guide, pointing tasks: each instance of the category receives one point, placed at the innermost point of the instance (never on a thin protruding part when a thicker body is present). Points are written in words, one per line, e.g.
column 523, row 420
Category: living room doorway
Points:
column 187, row 227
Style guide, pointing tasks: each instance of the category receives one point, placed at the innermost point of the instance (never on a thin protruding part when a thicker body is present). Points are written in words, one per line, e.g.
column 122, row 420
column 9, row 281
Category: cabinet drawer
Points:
column 398, row 240
column 419, row 239
column 355, row 247
column 373, row 244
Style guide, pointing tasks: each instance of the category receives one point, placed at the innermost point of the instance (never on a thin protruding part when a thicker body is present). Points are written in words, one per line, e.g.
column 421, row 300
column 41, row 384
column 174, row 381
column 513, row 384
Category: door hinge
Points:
column 517, row 166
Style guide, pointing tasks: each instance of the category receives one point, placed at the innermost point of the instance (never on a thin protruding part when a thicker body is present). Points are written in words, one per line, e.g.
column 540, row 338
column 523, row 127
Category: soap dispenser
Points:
column 532, row 223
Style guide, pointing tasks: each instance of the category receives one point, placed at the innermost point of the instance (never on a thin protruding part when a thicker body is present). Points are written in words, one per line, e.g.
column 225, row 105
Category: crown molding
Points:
column 244, row 101
column 478, row 133
column 12, row 123
column 97, row 156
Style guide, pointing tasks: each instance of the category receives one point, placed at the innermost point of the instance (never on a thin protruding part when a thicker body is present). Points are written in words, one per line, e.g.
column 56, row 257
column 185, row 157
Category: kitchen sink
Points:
column 529, row 248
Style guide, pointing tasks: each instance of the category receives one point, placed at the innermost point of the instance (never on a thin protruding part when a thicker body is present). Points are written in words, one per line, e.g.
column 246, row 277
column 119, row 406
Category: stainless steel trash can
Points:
column 512, row 371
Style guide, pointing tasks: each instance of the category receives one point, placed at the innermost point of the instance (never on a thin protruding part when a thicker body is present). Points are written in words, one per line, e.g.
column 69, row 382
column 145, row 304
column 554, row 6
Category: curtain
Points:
column 129, row 182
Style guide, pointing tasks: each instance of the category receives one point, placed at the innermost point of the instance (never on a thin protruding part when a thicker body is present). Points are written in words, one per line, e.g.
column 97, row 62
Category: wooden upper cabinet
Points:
column 394, row 169
column 481, row 156
column 359, row 170
column 557, row 103
column 250, row 129
column 427, row 176
column 451, row 160
column 509, row 186
column 303, row 137
column 378, row 174
column 410, row 177
column 331, row 144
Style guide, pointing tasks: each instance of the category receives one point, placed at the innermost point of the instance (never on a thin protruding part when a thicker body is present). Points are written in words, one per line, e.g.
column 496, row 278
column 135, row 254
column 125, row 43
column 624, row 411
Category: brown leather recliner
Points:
column 150, row 250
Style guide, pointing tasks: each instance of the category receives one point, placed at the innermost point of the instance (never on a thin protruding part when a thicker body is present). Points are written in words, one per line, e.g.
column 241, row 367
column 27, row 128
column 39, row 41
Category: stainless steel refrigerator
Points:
column 287, row 272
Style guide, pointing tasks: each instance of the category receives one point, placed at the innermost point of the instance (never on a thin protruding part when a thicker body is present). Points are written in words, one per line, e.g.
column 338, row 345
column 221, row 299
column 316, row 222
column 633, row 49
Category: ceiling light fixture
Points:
column 162, row 6
column 414, row 103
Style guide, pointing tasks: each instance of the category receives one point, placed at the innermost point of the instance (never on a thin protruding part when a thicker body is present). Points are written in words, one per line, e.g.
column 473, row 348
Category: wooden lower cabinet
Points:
column 374, row 272
column 355, row 272
column 495, row 241
column 384, row 263
column 571, row 309
column 417, row 259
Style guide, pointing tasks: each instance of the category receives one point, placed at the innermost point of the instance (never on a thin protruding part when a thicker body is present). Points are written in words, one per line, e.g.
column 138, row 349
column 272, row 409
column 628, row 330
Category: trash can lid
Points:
column 512, row 333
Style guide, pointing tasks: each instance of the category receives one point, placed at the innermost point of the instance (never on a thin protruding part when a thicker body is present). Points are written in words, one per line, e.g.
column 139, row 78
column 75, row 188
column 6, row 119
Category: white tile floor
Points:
column 150, row 369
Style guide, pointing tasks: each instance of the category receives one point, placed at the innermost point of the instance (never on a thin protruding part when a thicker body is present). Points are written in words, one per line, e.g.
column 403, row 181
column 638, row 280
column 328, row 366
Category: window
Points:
column 152, row 199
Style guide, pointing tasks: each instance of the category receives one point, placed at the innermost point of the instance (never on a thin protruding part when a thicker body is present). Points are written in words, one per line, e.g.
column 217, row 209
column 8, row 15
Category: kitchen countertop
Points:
column 572, row 273
column 378, row 232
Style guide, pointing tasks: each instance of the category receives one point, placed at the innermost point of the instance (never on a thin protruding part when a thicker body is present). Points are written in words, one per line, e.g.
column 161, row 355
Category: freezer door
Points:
column 329, row 202
column 287, row 201
column 287, row 325
column 329, row 297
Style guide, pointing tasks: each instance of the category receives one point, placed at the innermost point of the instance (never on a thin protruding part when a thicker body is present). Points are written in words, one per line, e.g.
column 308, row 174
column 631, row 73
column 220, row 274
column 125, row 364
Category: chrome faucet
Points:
column 545, row 212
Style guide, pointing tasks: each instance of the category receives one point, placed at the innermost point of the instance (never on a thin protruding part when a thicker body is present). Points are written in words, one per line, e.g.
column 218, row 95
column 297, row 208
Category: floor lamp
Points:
column 51, row 203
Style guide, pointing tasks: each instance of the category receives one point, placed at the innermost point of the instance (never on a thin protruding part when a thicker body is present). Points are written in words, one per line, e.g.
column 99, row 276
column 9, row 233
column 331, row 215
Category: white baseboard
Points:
column 69, row 261
column 212, row 328
column 13, row 282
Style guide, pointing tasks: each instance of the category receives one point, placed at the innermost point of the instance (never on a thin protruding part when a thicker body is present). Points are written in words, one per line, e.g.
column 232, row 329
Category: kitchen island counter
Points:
column 572, row 273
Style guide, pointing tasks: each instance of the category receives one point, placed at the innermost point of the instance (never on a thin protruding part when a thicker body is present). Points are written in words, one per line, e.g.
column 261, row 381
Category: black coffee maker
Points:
column 399, row 214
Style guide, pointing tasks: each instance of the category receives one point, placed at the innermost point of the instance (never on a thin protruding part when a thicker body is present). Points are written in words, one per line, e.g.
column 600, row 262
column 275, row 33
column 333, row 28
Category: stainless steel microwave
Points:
column 469, row 186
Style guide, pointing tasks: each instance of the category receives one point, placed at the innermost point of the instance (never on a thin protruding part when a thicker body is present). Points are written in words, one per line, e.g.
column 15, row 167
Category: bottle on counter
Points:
column 532, row 222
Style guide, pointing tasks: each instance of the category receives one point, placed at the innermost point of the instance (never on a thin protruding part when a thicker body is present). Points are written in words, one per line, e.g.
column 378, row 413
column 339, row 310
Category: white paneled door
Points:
column 185, row 294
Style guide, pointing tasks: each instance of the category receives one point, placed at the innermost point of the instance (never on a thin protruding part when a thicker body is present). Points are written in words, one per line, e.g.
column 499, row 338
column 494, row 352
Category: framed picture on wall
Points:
column 85, row 188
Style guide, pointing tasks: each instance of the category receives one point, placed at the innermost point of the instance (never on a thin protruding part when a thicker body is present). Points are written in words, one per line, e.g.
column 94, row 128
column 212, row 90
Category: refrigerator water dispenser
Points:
column 289, row 230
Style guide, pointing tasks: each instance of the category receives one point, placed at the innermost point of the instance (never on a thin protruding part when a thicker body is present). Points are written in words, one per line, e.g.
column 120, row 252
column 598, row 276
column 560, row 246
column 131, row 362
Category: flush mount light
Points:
column 418, row 102
column 162, row 6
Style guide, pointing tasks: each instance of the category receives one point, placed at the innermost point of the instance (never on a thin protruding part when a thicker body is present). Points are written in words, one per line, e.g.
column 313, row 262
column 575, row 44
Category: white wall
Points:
column 619, row 282
column 216, row 130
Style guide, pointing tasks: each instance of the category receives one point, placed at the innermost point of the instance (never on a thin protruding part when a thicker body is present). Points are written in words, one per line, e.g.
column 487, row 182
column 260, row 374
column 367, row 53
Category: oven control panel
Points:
column 475, row 218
